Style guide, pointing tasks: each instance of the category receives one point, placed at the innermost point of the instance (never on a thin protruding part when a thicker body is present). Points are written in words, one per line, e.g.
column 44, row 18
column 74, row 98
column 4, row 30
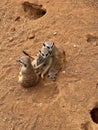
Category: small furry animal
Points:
column 27, row 76
column 40, row 58
column 57, row 65
column 52, row 49
column 49, row 46
column 42, row 62
column 58, row 59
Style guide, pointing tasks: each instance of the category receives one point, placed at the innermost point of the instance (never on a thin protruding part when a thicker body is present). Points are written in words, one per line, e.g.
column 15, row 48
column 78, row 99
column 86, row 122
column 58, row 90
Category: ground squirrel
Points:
column 59, row 58
column 40, row 59
column 42, row 62
column 57, row 65
column 27, row 76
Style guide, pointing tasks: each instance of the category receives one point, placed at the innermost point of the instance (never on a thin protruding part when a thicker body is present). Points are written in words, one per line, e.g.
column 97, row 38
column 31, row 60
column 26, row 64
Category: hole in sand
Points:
column 33, row 11
column 94, row 114
column 91, row 38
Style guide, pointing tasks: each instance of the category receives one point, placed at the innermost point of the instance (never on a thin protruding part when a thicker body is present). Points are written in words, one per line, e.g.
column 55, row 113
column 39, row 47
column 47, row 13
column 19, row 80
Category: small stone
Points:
column 17, row 18
column 4, row 119
column 95, row 43
column 31, row 36
column 55, row 33
column 76, row 71
column 13, row 29
column 10, row 58
column 63, row 72
column 10, row 39
column 75, row 46
column 40, row 104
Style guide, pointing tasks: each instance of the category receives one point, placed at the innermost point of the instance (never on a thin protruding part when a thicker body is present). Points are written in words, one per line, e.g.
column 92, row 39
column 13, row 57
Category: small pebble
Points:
column 17, row 18
column 95, row 43
column 55, row 33
column 5, row 119
column 75, row 45
column 63, row 72
column 10, row 39
column 31, row 36
column 10, row 58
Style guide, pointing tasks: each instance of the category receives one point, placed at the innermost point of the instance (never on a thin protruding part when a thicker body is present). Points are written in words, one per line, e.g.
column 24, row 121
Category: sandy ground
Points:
column 62, row 105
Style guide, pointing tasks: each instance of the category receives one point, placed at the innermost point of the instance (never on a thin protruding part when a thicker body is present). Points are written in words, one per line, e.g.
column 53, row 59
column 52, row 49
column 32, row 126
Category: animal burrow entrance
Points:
column 94, row 114
column 33, row 11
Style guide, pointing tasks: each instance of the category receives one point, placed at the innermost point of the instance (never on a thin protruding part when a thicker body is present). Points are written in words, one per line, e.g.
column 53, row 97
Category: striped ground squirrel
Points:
column 58, row 57
column 57, row 65
column 52, row 49
column 40, row 59
column 42, row 62
column 27, row 76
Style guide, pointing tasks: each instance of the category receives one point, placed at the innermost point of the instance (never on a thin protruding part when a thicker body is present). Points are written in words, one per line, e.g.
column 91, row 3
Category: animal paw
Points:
column 52, row 76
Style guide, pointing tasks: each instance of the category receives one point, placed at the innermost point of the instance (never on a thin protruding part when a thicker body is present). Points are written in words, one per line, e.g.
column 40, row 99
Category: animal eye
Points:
column 25, row 65
column 48, row 47
column 47, row 54
column 42, row 54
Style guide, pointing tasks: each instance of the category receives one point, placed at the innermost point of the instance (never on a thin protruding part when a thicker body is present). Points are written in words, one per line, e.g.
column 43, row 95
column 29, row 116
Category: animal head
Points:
column 44, row 53
column 49, row 46
column 25, row 61
column 42, row 56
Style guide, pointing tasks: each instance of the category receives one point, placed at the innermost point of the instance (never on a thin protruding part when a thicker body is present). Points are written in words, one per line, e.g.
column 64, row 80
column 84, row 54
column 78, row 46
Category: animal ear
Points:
column 40, row 51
